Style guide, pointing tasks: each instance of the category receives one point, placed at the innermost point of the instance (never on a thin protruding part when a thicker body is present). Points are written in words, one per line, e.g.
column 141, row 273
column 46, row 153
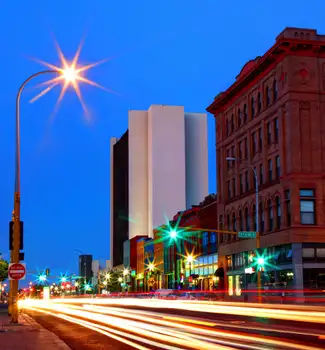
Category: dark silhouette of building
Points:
column 85, row 266
column 120, row 203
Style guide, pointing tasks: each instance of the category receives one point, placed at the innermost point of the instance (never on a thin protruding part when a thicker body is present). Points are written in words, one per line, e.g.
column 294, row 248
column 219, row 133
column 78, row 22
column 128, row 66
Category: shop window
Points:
column 278, row 212
column 259, row 102
column 307, row 206
column 229, row 262
column 276, row 130
column 205, row 239
column 308, row 253
column 270, row 212
column 270, row 169
column 288, row 206
column 213, row 237
column 320, row 253
column 269, row 133
column 252, row 107
column 239, row 116
column 277, row 167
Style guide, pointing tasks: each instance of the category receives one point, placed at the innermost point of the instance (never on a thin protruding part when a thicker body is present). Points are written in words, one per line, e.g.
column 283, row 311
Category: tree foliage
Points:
column 3, row 270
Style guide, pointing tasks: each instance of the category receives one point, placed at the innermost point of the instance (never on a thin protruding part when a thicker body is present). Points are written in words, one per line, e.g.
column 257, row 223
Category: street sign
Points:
column 246, row 234
column 17, row 271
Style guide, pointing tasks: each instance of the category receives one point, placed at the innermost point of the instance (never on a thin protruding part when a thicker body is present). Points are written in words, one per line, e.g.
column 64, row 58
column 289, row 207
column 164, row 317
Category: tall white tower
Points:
column 168, row 165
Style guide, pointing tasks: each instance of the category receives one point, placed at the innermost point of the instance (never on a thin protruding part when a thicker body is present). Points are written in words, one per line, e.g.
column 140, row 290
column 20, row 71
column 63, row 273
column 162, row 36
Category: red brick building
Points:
column 271, row 121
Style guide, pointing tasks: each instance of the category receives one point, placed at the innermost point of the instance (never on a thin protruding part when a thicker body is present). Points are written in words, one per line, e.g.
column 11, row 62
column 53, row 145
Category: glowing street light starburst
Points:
column 70, row 74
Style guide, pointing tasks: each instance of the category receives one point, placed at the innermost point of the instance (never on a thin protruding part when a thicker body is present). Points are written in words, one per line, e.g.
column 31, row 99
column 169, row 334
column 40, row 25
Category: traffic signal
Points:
column 11, row 235
column 47, row 272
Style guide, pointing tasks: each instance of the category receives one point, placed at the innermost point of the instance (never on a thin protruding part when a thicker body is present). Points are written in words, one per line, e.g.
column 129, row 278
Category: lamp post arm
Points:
column 21, row 88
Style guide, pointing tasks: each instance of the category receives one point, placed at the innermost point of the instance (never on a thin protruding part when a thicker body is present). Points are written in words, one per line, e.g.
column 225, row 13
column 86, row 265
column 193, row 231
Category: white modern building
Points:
column 167, row 168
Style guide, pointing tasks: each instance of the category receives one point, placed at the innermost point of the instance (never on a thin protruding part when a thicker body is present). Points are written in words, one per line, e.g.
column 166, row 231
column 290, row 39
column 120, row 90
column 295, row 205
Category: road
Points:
column 126, row 323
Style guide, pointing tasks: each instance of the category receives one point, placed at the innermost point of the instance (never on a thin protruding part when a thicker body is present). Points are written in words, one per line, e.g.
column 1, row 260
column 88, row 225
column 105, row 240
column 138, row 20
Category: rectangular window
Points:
column 270, row 169
column 277, row 169
column 260, row 140
column 308, row 253
column 269, row 133
column 288, row 206
column 307, row 212
column 240, row 150
column 261, row 174
column 276, row 129
column 246, row 148
column 233, row 187
column 254, row 143
column 307, row 206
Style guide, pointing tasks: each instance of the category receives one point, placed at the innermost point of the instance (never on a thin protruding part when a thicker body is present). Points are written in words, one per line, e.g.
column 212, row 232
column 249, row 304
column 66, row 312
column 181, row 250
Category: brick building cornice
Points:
column 290, row 42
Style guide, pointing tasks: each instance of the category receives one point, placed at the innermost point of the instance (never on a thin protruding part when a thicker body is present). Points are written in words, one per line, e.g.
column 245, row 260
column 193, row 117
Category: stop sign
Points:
column 16, row 271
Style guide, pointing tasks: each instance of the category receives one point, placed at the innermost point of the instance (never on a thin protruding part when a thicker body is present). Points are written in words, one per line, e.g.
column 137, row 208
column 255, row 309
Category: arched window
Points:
column 275, row 90
column 270, row 212
column 254, row 217
column 234, row 223
column 261, row 218
column 267, row 96
column 278, row 212
column 241, row 228
column 259, row 102
column 252, row 107
column 239, row 117
column 247, row 221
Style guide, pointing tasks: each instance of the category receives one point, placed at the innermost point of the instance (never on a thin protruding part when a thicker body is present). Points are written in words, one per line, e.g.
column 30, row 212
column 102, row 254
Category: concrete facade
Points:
column 272, row 119
column 168, row 165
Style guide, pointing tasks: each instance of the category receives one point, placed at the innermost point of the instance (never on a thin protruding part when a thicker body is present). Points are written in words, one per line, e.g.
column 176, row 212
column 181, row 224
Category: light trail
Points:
column 137, row 328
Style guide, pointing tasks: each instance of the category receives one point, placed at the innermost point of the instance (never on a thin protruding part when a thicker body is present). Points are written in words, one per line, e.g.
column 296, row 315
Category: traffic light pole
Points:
column 14, row 254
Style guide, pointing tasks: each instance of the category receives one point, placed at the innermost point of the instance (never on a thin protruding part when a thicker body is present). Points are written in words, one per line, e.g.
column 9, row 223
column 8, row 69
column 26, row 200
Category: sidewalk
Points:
column 27, row 335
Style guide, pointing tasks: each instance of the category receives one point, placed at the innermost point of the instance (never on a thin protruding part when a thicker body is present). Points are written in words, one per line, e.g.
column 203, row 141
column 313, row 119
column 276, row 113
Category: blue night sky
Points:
column 162, row 52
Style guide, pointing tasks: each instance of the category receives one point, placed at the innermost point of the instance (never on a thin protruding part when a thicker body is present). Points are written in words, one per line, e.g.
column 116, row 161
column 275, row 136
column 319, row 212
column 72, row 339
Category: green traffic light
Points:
column 261, row 261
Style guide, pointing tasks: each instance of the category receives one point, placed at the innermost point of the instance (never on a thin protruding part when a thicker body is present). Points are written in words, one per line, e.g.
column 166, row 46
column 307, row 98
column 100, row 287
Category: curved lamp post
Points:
column 14, row 256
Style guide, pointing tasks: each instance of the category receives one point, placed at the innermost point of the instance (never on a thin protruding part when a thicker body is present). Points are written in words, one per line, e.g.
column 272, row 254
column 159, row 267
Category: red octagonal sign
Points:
column 16, row 271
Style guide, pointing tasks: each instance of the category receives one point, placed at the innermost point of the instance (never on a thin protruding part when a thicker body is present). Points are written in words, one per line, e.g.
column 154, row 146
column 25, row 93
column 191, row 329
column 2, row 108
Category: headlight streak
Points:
column 289, row 312
column 193, row 335
column 147, row 330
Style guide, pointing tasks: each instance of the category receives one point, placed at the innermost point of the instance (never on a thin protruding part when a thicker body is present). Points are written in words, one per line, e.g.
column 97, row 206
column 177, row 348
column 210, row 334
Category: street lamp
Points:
column 69, row 74
column 258, row 241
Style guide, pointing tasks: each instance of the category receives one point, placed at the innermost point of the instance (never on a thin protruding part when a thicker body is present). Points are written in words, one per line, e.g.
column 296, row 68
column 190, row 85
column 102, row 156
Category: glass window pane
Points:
column 308, row 252
column 306, row 206
column 320, row 252
column 306, row 193
column 307, row 218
